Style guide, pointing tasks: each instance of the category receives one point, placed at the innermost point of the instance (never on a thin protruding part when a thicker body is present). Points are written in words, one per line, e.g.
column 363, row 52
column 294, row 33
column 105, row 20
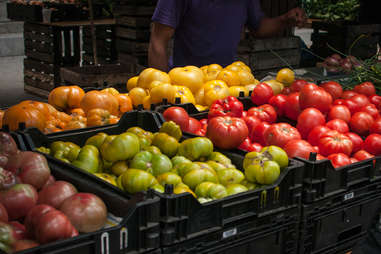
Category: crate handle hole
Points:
column 350, row 233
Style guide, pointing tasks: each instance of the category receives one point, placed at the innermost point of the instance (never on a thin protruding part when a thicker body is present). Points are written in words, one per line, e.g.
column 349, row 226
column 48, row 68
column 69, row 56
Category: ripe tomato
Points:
column 372, row 110
column 362, row 155
column 264, row 112
column 356, row 141
column 250, row 147
column 261, row 94
column 366, row 88
column 286, row 91
column 376, row 100
column 227, row 132
column 279, row 102
column 257, row 133
column 280, row 133
column 315, row 97
column 340, row 112
column 372, row 144
column 376, row 127
column 297, row 85
column 356, row 103
column 338, row 102
column 316, row 133
column 251, row 122
column 334, row 142
column 333, row 88
column 339, row 160
column 201, row 132
column 178, row 115
column 308, row 119
column 353, row 160
column 348, row 94
column 338, row 125
column 193, row 126
column 299, row 148
column 361, row 123
column 292, row 108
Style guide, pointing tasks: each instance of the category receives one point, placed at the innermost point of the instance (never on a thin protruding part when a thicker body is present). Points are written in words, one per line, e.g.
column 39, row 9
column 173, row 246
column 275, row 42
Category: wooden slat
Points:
column 30, row 64
column 37, row 91
column 47, row 38
column 45, row 57
column 137, row 22
column 40, row 46
column 131, row 46
column 133, row 34
column 275, row 43
column 134, row 10
column 267, row 60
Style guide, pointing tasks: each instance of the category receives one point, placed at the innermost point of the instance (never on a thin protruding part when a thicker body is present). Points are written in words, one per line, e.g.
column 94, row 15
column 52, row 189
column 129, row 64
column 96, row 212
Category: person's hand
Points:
column 296, row 17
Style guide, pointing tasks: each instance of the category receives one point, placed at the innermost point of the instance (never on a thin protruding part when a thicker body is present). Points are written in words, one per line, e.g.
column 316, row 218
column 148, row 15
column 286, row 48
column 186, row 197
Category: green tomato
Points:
column 265, row 172
column 217, row 191
column 88, row 159
column 119, row 167
column 216, row 165
column 235, row 188
column 197, row 176
column 230, row 176
column 202, row 190
column 196, row 148
column 277, row 154
column 136, row 180
column 97, row 140
column 122, row 147
column 156, row 164
column 220, row 158
column 169, row 178
column 179, row 159
column 168, row 145
column 152, row 149
column 183, row 168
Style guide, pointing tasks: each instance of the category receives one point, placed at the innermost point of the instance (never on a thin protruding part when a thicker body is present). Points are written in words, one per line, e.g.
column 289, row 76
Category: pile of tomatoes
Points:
column 341, row 125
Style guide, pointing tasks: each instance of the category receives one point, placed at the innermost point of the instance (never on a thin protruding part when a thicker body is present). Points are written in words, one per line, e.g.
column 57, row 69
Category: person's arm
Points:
column 157, row 51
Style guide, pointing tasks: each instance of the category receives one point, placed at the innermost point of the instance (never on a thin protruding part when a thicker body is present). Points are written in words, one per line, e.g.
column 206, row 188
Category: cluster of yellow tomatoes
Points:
column 200, row 86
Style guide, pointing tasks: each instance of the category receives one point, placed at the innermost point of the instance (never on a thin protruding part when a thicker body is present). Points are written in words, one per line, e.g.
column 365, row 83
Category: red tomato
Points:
column 178, row 115
column 256, row 147
column 361, row 123
column 261, row 94
column 257, row 133
column 299, row 148
column 3, row 214
column 286, row 91
column 227, row 132
column 315, row 97
column 340, row 112
column 292, row 109
column 376, row 127
column 353, row 160
column 193, row 126
column 334, row 142
column 355, row 103
column 362, row 155
column 200, row 132
column 320, row 157
column 204, row 121
column 316, row 148
column 250, row 147
column 251, row 122
column 264, row 112
column 308, row 119
column 339, row 160
column 316, row 133
column 356, row 141
column 244, row 113
column 366, row 88
column 348, row 94
column 280, row 133
column 333, row 88
column 338, row 125
column 56, row 193
column 376, row 100
column 372, row 144
column 297, row 85
column 279, row 102
column 20, row 230
column 372, row 110
column 338, row 102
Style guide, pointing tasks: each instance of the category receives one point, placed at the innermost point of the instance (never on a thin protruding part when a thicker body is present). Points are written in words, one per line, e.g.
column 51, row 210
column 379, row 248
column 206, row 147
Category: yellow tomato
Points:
column 155, row 83
column 185, row 95
column 285, row 76
column 137, row 95
column 204, row 69
column 189, row 76
column 245, row 78
column 246, row 68
column 164, row 91
column 147, row 102
column 215, row 90
column 132, row 83
column 235, row 91
column 148, row 75
column 214, row 67
column 275, row 85
column 110, row 90
column 212, row 75
column 199, row 96
column 234, row 68
column 239, row 63
column 201, row 107
column 229, row 77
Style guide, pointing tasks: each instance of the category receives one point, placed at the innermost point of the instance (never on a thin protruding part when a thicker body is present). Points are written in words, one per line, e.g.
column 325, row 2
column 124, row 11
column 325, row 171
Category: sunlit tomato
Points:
column 362, row 155
column 338, row 125
column 339, row 102
column 348, row 94
column 366, row 88
column 316, row 133
column 200, row 132
column 353, row 160
column 279, row 102
column 333, row 88
column 339, row 160
column 251, row 122
column 376, row 100
column 372, row 144
column 257, row 133
column 261, row 94
column 372, row 110
column 264, row 112
column 292, row 109
column 320, row 157
column 299, row 148
column 340, row 112
column 308, row 119
column 315, row 97
column 280, row 133
column 356, row 141
column 361, row 123
column 297, row 85
column 356, row 102
column 334, row 142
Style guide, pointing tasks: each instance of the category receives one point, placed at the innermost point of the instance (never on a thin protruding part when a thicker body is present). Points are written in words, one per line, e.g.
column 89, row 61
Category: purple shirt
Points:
column 207, row 31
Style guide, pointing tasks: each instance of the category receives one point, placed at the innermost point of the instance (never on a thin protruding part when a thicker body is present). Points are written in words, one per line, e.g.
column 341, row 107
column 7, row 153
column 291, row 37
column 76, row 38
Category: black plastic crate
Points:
column 138, row 230
column 324, row 226
column 24, row 12
column 276, row 234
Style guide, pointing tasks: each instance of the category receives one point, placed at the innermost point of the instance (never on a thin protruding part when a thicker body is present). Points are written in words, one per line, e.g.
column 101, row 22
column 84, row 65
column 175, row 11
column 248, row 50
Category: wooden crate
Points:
column 136, row 34
column 131, row 46
column 40, row 74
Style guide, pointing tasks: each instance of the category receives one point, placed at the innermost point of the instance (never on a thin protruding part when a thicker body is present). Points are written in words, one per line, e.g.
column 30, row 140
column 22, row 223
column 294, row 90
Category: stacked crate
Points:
column 47, row 48
column 133, row 20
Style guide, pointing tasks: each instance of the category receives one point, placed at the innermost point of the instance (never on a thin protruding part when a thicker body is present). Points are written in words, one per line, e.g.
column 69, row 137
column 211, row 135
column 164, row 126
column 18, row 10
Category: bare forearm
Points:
column 270, row 27
column 157, row 57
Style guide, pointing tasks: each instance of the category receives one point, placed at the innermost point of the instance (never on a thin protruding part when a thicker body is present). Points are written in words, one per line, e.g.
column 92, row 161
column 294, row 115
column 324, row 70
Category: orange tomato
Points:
column 231, row 78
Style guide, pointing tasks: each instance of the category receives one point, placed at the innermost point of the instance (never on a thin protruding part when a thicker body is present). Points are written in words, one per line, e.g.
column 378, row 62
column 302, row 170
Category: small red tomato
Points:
column 256, row 147
column 204, row 121
column 316, row 133
column 261, row 94
column 320, row 157
column 338, row 102
column 280, row 133
column 376, row 100
column 335, row 142
column 339, row 159
column 340, row 112
column 264, row 112
column 279, row 102
column 348, row 94
column 361, row 123
column 308, row 119
column 356, row 141
column 372, row 110
column 312, row 96
column 376, row 127
column 333, row 88
column 299, row 148
column 356, row 102
column 297, row 85
column 178, row 115
column 193, row 126
column 338, row 125
column 366, row 88
column 250, row 147
column 372, row 144
column 353, row 160
column 257, row 133
column 292, row 109
column 286, row 91
column 362, row 155
column 200, row 132
column 251, row 122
